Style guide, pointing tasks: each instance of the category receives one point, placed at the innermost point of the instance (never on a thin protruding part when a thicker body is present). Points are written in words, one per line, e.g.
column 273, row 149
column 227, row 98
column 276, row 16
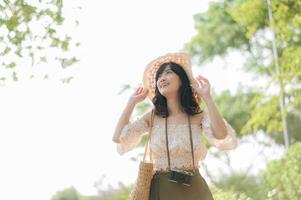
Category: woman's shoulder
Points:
column 147, row 116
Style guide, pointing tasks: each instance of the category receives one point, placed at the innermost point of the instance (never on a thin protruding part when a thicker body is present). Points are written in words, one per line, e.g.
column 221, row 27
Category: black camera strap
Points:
column 191, row 143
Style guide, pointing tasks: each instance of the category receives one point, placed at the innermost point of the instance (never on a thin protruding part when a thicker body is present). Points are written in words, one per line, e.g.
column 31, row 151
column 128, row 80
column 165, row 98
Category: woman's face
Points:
column 168, row 82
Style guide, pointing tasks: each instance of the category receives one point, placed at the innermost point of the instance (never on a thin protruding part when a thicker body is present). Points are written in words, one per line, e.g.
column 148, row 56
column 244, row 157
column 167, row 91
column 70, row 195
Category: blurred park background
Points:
column 68, row 67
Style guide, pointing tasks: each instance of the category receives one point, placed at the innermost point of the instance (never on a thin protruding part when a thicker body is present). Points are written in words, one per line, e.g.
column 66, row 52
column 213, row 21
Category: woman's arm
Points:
column 217, row 123
column 123, row 120
column 138, row 96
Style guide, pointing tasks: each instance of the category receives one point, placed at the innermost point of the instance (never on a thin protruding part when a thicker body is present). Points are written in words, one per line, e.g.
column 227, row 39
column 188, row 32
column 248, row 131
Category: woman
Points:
column 178, row 122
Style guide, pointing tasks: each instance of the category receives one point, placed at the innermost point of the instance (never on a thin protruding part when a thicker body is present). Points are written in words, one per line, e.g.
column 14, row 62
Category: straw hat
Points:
column 149, row 75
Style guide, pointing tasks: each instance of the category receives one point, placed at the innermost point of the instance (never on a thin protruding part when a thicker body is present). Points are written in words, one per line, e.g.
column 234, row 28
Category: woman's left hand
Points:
column 203, row 87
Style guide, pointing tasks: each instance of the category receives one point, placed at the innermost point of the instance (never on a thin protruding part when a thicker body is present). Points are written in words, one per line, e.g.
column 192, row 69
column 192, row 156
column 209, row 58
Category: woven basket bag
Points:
column 141, row 187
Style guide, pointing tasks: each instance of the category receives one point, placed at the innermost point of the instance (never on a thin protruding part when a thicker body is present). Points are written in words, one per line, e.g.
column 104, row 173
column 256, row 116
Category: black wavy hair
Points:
column 187, row 99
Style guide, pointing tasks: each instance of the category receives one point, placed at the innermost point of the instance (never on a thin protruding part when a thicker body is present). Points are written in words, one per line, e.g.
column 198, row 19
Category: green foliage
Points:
column 244, row 25
column 264, row 115
column 67, row 62
column 287, row 21
column 123, row 193
column 240, row 184
column 67, row 194
column 292, row 60
column 243, row 14
column 294, row 128
column 282, row 178
column 28, row 30
column 219, row 194
column 217, row 32
column 233, row 107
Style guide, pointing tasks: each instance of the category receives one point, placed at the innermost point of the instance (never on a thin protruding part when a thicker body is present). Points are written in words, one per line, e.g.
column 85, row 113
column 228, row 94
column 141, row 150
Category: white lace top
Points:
column 178, row 139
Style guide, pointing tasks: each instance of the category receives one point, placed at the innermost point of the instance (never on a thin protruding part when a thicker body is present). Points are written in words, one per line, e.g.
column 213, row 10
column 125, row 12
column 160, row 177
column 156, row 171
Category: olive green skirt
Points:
column 163, row 189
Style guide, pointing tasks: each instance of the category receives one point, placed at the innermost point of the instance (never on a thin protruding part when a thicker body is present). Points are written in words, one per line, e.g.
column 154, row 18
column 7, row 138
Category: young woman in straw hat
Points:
column 176, row 143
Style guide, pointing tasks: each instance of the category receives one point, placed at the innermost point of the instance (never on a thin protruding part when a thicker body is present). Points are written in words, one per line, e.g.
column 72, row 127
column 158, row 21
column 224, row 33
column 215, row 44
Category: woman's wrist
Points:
column 207, row 98
column 131, row 103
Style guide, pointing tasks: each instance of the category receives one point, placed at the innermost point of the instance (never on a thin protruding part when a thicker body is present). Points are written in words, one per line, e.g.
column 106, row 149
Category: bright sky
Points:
column 54, row 135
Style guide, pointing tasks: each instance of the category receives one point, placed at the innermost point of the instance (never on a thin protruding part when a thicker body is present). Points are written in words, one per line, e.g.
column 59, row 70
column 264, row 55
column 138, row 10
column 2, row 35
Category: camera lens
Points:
column 182, row 178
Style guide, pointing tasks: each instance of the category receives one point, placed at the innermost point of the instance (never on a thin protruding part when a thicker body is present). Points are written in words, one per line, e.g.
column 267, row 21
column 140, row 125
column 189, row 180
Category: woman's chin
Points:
column 165, row 93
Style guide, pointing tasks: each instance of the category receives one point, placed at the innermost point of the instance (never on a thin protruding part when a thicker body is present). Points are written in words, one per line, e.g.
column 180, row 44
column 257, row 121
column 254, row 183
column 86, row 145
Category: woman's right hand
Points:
column 136, row 97
column 139, row 95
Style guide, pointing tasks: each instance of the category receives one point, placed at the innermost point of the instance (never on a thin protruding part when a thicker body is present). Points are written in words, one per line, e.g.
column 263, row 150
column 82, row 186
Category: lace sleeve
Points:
column 229, row 142
column 131, row 134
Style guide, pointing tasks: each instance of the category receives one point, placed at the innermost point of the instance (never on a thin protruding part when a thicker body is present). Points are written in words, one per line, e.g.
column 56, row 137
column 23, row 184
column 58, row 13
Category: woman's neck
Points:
column 174, row 106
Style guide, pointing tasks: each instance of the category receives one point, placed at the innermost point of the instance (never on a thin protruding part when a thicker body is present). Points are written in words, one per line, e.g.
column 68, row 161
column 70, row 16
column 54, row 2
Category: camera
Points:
column 182, row 177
